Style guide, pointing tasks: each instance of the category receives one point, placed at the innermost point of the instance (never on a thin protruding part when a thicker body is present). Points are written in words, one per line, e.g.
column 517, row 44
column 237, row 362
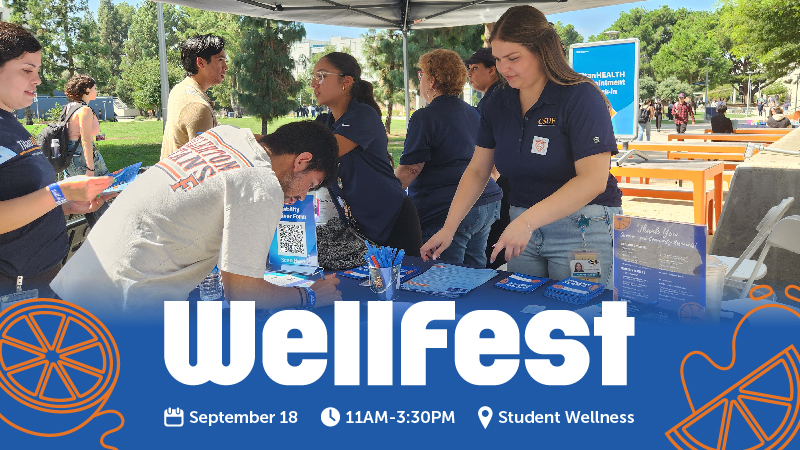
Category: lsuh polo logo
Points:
column 58, row 367
column 753, row 403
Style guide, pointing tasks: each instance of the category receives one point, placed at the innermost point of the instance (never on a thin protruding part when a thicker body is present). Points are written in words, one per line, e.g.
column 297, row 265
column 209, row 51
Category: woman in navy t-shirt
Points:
column 439, row 145
column 377, row 206
column 550, row 133
column 33, row 237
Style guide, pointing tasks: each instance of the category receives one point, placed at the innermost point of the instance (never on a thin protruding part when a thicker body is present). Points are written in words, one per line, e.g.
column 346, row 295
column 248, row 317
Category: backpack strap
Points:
column 70, row 110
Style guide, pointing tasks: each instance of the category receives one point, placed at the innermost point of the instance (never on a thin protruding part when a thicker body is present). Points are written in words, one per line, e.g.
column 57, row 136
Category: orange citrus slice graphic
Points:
column 56, row 357
column 759, row 412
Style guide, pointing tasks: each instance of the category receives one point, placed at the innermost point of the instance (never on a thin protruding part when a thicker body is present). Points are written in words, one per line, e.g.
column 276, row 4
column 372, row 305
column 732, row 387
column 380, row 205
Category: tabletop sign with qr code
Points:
column 660, row 263
column 295, row 241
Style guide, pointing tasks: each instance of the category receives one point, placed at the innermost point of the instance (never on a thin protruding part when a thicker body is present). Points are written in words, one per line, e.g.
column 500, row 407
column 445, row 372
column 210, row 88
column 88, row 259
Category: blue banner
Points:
column 614, row 67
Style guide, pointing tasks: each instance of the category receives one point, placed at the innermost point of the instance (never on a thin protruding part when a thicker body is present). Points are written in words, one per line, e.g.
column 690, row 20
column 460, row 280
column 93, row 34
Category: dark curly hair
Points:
column 14, row 41
column 447, row 68
column 77, row 86
column 307, row 136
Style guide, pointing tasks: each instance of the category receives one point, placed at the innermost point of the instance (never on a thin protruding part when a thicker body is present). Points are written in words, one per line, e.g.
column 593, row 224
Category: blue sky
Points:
column 587, row 22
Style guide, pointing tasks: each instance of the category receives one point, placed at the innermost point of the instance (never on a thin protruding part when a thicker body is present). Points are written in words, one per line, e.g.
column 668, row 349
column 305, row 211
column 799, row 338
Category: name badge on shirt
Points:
column 539, row 146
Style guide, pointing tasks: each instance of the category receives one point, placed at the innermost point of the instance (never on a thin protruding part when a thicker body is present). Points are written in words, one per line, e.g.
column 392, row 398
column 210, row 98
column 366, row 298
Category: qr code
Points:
column 291, row 239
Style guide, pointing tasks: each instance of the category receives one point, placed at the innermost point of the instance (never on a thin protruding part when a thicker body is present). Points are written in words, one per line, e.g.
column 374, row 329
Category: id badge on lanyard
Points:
column 18, row 295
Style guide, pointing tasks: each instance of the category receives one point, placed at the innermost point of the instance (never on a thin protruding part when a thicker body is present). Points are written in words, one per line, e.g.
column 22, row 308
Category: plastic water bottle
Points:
column 55, row 147
column 211, row 287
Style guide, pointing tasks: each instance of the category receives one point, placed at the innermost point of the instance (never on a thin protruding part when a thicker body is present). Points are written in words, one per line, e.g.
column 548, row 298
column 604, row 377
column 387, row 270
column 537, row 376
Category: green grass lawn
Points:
column 130, row 142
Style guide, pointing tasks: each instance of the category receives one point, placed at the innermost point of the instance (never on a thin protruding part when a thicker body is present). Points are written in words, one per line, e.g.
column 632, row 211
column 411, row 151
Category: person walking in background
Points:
column 658, row 111
column 82, row 127
column 190, row 111
column 682, row 110
column 438, row 147
column 760, row 106
column 669, row 109
column 645, row 116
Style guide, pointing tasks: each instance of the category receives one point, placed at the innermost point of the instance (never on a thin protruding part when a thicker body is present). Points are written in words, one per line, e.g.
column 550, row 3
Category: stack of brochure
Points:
column 519, row 282
column 362, row 273
column 449, row 281
column 575, row 291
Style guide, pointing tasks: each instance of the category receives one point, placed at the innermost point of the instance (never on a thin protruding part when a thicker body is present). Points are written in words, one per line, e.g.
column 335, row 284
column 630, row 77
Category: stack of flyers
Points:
column 519, row 282
column 362, row 273
column 573, row 290
column 449, row 281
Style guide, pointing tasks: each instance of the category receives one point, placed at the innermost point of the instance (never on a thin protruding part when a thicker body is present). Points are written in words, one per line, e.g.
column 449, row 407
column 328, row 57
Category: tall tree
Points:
column 91, row 54
column 768, row 31
column 383, row 50
column 113, row 31
column 142, row 39
column 652, row 28
column 141, row 88
column 264, row 67
column 693, row 39
column 569, row 35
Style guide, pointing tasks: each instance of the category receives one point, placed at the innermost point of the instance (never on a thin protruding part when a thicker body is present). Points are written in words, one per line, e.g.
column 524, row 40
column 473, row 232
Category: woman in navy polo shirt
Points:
column 439, row 145
column 549, row 131
column 377, row 206
column 33, row 235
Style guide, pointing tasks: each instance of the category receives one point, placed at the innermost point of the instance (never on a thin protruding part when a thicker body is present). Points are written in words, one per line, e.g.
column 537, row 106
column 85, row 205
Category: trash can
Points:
column 711, row 111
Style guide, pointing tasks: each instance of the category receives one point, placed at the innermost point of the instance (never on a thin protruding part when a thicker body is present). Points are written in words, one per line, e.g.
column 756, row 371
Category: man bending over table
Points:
column 217, row 200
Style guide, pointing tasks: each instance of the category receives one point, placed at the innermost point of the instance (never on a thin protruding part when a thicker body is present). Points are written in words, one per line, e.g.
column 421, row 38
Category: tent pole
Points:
column 162, row 59
column 405, row 72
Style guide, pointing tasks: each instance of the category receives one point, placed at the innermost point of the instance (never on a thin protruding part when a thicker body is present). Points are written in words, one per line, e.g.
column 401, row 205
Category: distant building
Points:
column 102, row 106
column 302, row 52
column 5, row 13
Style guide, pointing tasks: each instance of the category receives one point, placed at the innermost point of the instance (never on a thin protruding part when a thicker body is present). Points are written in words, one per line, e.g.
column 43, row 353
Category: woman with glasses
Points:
column 376, row 204
column 549, row 131
column 438, row 147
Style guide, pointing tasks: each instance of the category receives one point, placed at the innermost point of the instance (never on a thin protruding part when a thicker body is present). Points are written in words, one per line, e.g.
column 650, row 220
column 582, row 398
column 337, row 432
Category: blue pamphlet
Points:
column 519, row 282
column 449, row 281
column 123, row 177
column 573, row 290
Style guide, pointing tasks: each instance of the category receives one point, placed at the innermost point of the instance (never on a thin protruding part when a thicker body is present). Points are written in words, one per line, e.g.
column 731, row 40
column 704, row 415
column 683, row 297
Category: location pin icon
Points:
column 485, row 414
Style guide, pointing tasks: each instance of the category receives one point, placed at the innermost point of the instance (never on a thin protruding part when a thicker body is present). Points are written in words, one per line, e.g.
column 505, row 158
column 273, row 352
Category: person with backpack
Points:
column 645, row 115
column 82, row 127
column 33, row 234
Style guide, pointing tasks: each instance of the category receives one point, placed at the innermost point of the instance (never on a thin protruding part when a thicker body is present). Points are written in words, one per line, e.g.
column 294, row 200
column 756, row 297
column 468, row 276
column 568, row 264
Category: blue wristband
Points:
column 57, row 194
column 311, row 298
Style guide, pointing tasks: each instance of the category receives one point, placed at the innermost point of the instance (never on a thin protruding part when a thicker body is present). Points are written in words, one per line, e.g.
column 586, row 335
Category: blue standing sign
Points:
column 614, row 67
column 295, row 241
column 663, row 264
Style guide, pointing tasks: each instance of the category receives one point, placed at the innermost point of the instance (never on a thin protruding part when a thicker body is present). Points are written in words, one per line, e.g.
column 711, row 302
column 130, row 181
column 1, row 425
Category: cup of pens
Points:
column 384, row 271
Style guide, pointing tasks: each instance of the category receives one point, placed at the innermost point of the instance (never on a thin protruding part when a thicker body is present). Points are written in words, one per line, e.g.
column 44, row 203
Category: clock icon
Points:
column 330, row 416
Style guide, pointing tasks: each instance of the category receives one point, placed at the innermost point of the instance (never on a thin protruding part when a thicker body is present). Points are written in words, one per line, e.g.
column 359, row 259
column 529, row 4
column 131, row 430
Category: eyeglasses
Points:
column 320, row 75
column 420, row 74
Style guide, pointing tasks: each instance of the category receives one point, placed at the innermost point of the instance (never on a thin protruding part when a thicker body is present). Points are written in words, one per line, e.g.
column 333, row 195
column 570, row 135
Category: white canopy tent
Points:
column 403, row 15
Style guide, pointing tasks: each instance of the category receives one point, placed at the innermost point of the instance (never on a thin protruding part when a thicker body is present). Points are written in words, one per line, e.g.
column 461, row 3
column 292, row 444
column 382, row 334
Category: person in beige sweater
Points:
column 189, row 110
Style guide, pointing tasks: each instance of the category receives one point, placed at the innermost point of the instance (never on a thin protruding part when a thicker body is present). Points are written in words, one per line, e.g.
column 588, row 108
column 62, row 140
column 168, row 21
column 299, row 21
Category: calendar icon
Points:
column 173, row 417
